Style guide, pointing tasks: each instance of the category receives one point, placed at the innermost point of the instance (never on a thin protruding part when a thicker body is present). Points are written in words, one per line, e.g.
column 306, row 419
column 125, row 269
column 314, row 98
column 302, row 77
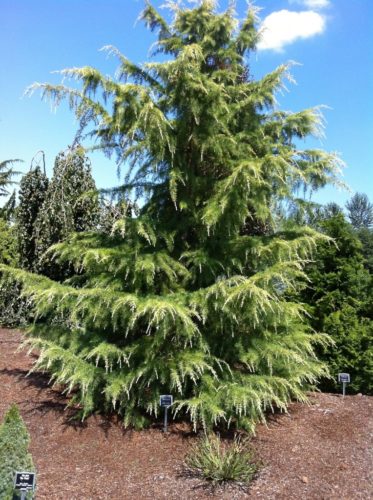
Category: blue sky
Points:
column 331, row 39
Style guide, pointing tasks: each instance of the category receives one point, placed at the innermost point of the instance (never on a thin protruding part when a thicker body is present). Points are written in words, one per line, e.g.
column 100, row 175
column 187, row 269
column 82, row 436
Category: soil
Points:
column 323, row 450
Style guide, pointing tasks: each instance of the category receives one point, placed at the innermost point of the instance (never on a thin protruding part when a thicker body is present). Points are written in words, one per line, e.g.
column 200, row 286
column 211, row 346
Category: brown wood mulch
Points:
column 320, row 451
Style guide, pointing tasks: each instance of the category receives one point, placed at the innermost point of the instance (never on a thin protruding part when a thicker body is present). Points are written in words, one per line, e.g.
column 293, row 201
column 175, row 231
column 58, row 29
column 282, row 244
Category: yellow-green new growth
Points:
column 191, row 295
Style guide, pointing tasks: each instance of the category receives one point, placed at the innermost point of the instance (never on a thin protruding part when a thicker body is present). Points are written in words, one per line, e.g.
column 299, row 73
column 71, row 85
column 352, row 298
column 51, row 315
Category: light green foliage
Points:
column 14, row 456
column 189, row 295
column 220, row 462
column 8, row 244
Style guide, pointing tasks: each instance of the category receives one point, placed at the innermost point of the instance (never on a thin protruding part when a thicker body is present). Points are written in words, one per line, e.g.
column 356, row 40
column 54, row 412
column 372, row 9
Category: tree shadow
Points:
column 34, row 379
column 49, row 399
column 52, row 401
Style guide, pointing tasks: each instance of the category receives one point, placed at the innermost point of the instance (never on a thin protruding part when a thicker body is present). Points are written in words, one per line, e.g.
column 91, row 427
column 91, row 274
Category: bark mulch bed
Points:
column 321, row 451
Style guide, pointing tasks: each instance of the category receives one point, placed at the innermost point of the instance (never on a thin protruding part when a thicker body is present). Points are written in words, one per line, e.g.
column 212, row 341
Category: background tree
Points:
column 191, row 295
column 6, row 175
column 8, row 210
column 113, row 211
column 32, row 193
column 9, row 290
column 340, row 303
column 70, row 205
column 360, row 211
column 365, row 235
column 46, row 214
column 15, row 309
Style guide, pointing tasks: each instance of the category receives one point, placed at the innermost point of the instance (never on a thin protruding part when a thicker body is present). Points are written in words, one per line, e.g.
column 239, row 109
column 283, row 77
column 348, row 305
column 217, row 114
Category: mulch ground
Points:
column 320, row 451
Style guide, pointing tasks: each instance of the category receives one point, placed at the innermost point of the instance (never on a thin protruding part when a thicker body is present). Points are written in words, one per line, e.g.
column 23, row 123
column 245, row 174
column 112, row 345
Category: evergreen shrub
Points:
column 14, row 456
column 339, row 300
column 352, row 351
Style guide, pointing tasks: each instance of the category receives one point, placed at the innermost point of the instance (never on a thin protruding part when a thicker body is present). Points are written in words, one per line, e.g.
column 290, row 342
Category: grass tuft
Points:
column 219, row 462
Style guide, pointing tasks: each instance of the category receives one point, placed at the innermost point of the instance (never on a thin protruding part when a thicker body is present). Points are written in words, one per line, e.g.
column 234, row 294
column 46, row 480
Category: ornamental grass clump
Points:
column 219, row 462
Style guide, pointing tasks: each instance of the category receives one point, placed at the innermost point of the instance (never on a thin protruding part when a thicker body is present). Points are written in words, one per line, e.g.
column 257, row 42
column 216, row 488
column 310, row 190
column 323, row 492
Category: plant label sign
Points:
column 24, row 481
column 344, row 377
column 166, row 400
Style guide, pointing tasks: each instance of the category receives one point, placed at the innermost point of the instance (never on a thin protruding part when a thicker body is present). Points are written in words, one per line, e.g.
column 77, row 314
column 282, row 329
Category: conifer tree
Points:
column 70, row 205
column 6, row 175
column 189, row 296
column 360, row 211
column 14, row 308
column 8, row 210
column 32, row 192
column 14, row 456
column 339, row 302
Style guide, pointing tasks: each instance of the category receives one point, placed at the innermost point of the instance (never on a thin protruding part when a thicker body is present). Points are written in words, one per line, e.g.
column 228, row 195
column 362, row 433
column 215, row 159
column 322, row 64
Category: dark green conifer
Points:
column 360, row 213
column 14, row 456
column 70, row 205
column 32, row 192
column 340, row 304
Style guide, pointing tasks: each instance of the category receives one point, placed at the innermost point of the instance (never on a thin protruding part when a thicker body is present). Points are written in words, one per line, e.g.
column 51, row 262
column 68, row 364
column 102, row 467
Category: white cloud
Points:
column 284, row 27
column 312, row 4
column 316, row 4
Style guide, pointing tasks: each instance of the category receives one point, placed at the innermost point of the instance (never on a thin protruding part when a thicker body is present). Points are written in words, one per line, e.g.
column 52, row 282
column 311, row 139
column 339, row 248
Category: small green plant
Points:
column 220, row 462
column 14, row 456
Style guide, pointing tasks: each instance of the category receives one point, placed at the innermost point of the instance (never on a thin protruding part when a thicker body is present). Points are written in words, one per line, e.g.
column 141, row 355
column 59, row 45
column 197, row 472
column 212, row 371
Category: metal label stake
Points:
column 345, row 379
column 166, row 401
column 165, row 419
